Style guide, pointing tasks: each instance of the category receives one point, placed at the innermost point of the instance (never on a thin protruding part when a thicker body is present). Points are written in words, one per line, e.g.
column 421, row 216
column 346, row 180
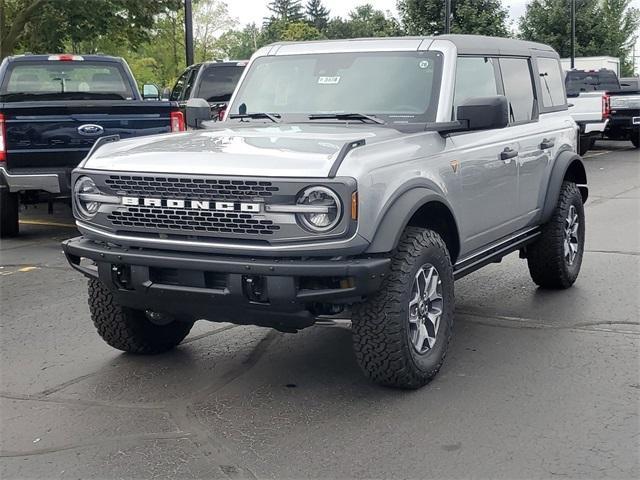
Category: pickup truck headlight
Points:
column 320, row 209
column 86, row 197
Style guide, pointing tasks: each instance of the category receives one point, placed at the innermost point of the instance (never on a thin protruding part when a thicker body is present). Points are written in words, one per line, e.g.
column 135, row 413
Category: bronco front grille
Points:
column 192, row 188
column 188, row 220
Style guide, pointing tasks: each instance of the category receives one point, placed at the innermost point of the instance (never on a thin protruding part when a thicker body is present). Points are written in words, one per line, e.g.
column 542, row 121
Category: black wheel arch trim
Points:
column 398, row 214
column 564, row 161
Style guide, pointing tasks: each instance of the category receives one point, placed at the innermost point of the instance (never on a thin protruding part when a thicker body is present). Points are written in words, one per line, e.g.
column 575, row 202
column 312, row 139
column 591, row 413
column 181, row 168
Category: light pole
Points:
column 188, row 32
column 573, row 34
column 447, row 16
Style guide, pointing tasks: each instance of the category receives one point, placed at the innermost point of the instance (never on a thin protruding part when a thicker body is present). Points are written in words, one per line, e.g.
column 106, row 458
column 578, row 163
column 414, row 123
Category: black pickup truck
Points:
column 53, row 108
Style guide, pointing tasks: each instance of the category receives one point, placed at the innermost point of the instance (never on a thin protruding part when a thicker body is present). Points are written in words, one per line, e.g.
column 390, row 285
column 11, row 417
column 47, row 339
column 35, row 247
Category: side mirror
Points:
column 198, row 111
column 484, row 113
column 150, row 92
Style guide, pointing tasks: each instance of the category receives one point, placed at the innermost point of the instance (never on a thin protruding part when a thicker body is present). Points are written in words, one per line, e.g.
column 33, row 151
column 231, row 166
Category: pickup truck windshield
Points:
column 398, row 87
column 218, row 82
column 55, row 80
column 578, row 81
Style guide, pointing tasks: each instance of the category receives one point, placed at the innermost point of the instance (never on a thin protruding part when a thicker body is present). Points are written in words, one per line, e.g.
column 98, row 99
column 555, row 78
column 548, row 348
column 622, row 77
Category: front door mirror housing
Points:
column 150, row 92
column 198, row 111
column 483, row 113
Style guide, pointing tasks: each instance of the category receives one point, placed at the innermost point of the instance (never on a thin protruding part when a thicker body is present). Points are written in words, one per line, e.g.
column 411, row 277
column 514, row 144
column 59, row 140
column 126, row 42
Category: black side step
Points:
column 493, row 254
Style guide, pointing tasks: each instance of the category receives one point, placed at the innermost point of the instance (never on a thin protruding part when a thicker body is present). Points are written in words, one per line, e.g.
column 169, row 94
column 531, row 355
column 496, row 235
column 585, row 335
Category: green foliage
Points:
column 478, row 17
column 299, row 31
column 364, row 21
column 317, row 14
column 285, row 10
column 603, row 27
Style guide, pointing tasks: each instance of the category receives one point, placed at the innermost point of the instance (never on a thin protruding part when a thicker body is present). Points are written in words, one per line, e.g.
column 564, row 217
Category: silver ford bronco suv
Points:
column 351, row 179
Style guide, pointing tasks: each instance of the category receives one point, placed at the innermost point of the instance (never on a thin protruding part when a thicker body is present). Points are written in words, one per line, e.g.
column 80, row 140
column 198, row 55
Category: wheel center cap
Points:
column 422, row 308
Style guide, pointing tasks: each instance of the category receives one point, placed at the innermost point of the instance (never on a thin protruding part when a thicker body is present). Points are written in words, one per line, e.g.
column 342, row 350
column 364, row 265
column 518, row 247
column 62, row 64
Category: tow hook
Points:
column 254, row 288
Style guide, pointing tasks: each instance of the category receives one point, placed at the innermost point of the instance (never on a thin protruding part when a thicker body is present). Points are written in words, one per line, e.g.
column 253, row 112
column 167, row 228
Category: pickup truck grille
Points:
column 188, row 220
column 192, row 188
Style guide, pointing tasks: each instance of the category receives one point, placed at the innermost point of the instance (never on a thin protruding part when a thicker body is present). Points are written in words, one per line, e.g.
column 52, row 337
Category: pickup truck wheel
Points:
column 585, row 144
column 9, row 207
column 555, row 258
column 128, row 329
column 401, row 334
column 635, row 139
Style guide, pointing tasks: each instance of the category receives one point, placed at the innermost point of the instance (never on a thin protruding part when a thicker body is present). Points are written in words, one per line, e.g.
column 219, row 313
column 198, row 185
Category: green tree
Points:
column 603, row 27
column 299, row 31
column 317, row 14
column 478, row 17
column 210, row 18
column 240, row 44
column 53, row 25
column 285, row 10
column 364, row 21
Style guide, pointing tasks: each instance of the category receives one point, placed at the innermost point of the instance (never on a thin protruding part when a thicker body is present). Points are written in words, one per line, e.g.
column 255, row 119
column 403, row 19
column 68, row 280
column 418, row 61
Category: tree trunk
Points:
column 24, row 16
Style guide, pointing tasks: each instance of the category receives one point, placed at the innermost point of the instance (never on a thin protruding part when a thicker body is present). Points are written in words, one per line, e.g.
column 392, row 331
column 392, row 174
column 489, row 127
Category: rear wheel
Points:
column 128, row 329
column 401, row 334
column 556, row 257
column 635, row 138
column 9, row 208
column 585, row 144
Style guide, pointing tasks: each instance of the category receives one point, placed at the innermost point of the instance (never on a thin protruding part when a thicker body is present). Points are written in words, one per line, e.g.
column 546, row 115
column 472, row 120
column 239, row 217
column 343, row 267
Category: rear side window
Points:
column 70, row 80
column 189, row 85
column 475, row 77
column 551, row 82
column 518, row 87
column 217, row 83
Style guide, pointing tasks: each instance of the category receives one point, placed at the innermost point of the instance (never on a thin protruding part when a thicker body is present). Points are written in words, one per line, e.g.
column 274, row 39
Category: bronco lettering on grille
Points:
column 192, row 204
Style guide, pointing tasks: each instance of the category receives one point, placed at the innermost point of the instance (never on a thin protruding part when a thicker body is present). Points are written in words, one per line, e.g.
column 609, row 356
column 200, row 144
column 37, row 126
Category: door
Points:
column 488, row 170
column 535, row 144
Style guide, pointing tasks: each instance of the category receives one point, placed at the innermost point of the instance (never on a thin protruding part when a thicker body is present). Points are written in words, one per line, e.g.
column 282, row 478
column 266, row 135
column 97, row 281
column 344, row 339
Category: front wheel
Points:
column 130, row 330
column 401, row 333
column 556, row 257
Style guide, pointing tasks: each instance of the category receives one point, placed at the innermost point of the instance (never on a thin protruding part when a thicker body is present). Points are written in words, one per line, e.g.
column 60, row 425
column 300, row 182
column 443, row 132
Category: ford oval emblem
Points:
column 90, row 130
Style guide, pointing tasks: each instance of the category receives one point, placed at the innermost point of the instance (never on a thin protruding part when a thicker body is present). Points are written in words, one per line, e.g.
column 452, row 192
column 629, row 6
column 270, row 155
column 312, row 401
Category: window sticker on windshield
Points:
column 328, row 80
column 424, row 64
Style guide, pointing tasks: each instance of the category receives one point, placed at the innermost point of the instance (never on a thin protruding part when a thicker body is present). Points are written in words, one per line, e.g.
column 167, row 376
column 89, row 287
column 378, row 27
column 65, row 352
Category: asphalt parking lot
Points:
column 537, row 383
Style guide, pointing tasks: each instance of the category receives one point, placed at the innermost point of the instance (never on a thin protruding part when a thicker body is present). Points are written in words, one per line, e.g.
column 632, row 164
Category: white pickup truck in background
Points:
column 587, row 93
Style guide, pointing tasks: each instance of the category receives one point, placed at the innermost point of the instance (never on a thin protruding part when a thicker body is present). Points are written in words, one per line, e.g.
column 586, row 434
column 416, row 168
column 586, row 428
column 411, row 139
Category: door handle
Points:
column 508, row 154
column 546, row 143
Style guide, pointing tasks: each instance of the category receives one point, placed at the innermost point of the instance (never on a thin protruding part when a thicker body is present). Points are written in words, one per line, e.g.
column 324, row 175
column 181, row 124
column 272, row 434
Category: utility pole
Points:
column 573, row 34
column 188, row 32
column 447, row 16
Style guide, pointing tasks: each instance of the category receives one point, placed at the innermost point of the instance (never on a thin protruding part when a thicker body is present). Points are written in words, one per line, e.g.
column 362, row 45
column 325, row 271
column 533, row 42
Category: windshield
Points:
column 61, row 80
column 398, row 87
column 218, row 82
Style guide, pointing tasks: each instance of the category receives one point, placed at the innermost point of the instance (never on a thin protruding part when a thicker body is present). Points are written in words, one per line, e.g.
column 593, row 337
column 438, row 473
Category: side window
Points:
column 551, row 82
column 475, row 77
column 518, row 87
column 190, row 81
column 179, row 86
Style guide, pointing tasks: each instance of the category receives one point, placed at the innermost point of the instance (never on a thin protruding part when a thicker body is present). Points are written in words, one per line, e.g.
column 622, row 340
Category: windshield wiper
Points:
column 346, row 116
column 274, row 117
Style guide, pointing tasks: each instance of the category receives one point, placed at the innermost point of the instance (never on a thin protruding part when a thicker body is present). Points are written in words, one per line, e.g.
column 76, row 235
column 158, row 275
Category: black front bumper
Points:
column 253, row 290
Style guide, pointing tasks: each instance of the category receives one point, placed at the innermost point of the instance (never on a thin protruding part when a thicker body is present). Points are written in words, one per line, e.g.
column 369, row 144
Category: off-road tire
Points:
column 380, row 324
column 128, row 329
column 9, row 210
column 546, row 259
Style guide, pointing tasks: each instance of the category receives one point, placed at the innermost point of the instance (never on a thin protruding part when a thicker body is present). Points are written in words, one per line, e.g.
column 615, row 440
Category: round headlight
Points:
column 323, row 209
column 85, row 191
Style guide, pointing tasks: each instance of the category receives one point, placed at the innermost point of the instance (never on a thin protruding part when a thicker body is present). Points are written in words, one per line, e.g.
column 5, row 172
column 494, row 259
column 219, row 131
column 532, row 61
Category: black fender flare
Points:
column 565, row 161
column 399, row 213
